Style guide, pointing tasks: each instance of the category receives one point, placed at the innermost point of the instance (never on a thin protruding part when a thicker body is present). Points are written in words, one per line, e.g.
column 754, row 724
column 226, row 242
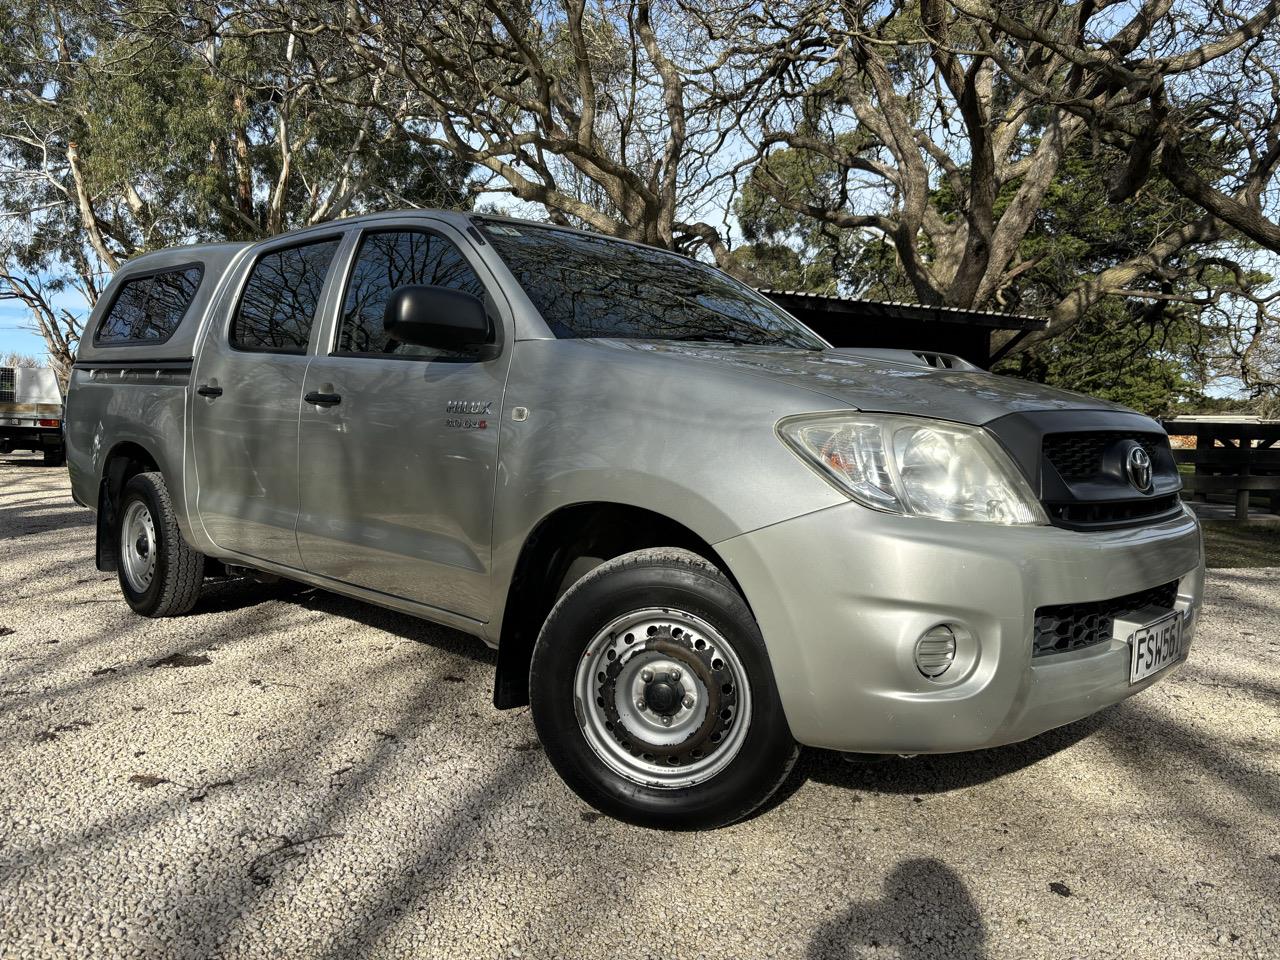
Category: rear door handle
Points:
column 323, row 399
column 207, row 391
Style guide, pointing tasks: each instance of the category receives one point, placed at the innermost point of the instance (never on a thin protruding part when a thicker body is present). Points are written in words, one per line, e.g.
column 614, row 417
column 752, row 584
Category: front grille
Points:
column 8, row 389
column 1073, row 626
column 1078, row 456
column 1086, row 487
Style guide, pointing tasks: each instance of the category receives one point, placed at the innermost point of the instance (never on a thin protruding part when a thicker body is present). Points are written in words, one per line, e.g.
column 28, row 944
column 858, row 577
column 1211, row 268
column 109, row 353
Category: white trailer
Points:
column 31, row 412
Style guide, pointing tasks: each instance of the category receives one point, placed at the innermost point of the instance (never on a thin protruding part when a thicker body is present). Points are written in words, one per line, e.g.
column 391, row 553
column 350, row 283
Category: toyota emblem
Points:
column 1138, row 466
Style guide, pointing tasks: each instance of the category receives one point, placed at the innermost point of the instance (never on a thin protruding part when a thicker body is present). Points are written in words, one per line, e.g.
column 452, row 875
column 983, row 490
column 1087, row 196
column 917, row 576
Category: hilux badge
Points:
column 474, row 414
column 482, row 408
column 1137, row 465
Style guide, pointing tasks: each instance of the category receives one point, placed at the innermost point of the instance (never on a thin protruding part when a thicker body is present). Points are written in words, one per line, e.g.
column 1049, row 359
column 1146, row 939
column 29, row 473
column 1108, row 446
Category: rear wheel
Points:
column 54, row 457
column 160, row 575
column 653, row 695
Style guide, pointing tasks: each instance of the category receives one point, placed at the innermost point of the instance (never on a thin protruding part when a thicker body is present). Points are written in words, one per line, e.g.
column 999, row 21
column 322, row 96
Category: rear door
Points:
column 398, row 460
column 248, row 382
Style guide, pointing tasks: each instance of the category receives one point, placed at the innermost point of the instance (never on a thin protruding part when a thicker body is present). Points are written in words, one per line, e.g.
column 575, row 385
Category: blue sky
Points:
column 14, row 330
column 17, row 331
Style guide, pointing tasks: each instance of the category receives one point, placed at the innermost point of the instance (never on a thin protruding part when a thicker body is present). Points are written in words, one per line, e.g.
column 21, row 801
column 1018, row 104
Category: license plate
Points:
column 1155, row 646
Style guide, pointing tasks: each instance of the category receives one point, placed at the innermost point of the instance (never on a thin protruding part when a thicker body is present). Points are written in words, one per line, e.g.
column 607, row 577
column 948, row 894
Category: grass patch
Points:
column 1228, row 543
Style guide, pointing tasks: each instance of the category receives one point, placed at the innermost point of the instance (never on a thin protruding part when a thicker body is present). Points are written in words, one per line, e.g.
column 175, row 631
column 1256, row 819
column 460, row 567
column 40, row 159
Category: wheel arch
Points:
column 124, row 460
column 563, row 546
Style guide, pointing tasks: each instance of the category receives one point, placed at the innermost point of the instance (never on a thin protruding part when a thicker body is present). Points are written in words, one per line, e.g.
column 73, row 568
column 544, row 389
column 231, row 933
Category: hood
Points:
column 884, row 382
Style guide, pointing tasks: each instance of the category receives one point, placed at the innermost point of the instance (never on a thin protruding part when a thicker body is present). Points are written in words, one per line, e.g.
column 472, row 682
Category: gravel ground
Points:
column 288, row 773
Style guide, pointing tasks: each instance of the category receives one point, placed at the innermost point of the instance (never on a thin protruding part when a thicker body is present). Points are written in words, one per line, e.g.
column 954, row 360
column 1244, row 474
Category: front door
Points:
column 399, row 448
column 248, row 380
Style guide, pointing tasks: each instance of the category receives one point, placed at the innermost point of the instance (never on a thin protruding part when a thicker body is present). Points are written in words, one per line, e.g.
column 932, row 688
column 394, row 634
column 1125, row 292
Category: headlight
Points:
column 915, row 466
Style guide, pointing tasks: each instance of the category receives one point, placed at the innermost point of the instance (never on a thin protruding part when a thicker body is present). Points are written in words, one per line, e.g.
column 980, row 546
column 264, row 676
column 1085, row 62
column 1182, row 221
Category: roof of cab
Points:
column 226, row 248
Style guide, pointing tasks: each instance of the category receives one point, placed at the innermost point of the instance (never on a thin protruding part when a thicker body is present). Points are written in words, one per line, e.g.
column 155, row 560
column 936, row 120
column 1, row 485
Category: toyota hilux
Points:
column 698, row 535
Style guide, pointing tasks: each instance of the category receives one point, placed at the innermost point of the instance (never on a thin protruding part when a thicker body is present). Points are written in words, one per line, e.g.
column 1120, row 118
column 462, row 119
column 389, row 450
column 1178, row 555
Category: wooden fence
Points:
column 1235, row 456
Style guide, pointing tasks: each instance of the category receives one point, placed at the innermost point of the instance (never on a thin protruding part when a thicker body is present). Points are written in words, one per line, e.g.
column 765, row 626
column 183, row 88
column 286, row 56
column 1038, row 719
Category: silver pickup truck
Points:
column 697, row 534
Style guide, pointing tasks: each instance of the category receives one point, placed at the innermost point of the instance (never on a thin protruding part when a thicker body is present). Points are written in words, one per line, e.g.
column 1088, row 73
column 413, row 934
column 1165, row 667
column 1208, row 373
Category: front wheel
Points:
column 160, row 575
column 653, row 694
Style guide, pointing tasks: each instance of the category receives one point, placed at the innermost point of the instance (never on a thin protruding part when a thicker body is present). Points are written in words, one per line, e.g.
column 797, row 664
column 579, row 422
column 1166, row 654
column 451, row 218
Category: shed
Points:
column 853, row 322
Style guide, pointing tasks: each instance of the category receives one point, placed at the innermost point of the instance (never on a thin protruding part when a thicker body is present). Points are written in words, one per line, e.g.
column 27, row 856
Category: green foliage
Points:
column 179, row 136
column 1107, row 355
column 780, row 267
column 1146, row 354
column 153, row 129
column 786, row 250
column 1078, row 231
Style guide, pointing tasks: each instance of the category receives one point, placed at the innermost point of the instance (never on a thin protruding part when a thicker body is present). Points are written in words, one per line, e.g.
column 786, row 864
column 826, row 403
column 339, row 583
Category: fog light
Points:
column 936, row 651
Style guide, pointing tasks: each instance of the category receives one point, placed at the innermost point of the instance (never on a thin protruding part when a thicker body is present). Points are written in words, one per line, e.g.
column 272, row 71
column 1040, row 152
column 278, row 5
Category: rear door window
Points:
column 148, row 309
column 278, row 307
column 388, row 259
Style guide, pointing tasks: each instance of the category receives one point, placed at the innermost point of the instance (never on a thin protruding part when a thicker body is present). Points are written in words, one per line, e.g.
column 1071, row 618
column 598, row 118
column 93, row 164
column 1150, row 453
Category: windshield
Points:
column 587, row 286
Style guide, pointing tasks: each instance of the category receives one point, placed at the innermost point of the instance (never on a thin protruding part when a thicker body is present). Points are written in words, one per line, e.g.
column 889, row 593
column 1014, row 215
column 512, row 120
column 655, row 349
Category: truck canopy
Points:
column 29, row 385
column 155, row 304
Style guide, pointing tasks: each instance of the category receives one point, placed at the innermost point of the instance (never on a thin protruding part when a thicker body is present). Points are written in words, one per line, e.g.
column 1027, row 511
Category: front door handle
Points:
column 207, row 391
column 323, row 399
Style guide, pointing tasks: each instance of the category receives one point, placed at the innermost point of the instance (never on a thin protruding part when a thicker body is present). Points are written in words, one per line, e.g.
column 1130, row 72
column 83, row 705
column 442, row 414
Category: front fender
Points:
column 685, row 440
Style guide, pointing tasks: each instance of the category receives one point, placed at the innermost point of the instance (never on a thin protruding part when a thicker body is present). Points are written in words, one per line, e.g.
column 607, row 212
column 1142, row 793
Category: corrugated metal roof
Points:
column 959, row 313
column 1217, row 418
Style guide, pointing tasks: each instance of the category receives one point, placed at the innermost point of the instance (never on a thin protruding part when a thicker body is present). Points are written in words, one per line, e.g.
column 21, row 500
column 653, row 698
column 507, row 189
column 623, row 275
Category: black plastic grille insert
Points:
column 1078, row 456
column 1073, row 626
column 1094, row 497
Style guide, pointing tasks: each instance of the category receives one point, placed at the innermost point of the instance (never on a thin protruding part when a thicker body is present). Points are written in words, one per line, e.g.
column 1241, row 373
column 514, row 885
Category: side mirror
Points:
column 437, row 317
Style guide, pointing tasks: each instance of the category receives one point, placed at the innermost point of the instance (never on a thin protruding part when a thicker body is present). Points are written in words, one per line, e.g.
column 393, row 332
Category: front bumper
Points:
column 842, row 594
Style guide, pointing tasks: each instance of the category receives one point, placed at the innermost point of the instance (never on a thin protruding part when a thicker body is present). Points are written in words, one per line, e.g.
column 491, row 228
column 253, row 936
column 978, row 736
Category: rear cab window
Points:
column 281, row 297
column 147, row 309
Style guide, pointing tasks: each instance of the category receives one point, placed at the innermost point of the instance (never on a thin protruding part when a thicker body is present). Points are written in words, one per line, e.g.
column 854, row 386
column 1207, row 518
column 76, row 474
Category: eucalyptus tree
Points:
column 125, row 127
column 596, row 114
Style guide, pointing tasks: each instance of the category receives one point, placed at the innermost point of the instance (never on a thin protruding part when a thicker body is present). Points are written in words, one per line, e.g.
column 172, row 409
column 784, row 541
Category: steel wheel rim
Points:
column 138, row 546
column 705, row 731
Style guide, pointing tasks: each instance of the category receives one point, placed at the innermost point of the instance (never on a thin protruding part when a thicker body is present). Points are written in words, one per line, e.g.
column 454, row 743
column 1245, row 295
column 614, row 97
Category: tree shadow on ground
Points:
column 24, row 521
column 1229, row 760
column 926, row 911
column 32, row 460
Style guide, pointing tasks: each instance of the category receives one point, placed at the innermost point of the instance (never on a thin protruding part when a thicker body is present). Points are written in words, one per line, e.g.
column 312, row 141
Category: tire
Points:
column 160, row 575
column 55, row 457
column 649, row 635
